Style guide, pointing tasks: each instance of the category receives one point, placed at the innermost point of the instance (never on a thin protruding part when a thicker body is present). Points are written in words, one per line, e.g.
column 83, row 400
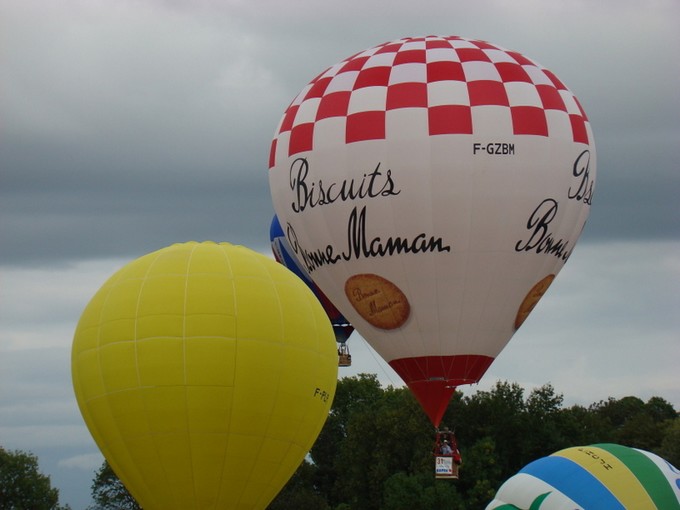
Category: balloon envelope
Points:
column 433, row 187
column 601, row 476
column 285, row 255
column 204, row 372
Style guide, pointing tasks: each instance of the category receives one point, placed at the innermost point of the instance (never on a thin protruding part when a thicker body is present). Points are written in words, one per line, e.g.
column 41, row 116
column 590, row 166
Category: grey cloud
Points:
column 153, row 125
column 94, row 224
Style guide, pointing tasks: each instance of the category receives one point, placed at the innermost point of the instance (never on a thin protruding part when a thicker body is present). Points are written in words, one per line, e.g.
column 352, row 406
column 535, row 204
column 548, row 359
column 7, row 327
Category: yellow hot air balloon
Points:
column 204, row 372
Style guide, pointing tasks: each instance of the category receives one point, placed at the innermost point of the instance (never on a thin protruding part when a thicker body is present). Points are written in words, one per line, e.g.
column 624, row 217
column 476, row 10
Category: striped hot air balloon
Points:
column 600, row 476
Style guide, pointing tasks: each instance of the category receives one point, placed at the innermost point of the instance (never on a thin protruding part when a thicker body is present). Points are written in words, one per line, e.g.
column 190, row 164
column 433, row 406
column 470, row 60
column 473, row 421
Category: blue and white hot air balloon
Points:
column 283, row 253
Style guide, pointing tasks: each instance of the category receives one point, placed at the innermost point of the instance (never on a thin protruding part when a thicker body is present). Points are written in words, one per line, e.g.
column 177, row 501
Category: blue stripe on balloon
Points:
column 574, row 482
column 281, row 247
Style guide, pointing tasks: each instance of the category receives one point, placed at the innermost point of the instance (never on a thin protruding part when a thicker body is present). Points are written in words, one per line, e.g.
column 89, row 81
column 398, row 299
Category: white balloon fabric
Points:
column 433, row 187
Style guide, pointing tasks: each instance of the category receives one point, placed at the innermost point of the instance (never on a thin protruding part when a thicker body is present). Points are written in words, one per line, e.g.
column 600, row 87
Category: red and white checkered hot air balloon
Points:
column 433, row 187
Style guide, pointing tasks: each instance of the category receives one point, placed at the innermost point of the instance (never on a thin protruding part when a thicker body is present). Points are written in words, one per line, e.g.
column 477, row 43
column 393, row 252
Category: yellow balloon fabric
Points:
column 205, row 373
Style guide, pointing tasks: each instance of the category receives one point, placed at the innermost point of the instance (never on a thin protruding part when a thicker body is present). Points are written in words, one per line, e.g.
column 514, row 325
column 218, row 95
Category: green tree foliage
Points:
column 482, row 473
column 632, row 422
column 419, row 492
column 670, row 445
column 109, row 493
column 22, row 486
column 375, row 450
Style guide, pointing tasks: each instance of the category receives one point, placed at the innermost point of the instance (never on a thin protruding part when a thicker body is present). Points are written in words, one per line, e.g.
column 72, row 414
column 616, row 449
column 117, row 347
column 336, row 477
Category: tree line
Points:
column 375, row 449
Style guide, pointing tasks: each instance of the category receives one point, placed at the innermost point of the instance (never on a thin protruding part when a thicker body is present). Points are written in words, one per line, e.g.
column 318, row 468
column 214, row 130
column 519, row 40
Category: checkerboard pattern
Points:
column 442, row 85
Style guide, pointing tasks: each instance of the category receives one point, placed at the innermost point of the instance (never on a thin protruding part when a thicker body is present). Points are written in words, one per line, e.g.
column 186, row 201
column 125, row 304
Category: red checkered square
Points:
column 410, row 56
column 578, row 128
column 487, row 92
column 333, row 105
column 450, row 120
column 301, row 138
column 512, row 72
column 353, row 65
column 318, row 88
column 407, row 95
column 551, row 98
column 373, row 77
column 472, row 55
column 365, row 126
column 445, row 71
column 288, row 118
column 529, row 120
column 432, row 44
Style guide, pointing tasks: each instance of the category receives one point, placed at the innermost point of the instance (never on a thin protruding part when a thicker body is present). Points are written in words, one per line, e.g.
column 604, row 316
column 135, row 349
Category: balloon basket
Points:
column 344, row 357
column 445, row 468
column 446, row 454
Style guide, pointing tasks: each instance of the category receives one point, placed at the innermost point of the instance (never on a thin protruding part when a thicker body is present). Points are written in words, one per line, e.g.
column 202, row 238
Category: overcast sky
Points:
column 127, row 126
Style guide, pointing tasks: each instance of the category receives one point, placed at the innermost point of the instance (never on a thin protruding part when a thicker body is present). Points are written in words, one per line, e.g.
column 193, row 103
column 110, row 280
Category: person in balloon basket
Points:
column 449, row 445
column 447, row 449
